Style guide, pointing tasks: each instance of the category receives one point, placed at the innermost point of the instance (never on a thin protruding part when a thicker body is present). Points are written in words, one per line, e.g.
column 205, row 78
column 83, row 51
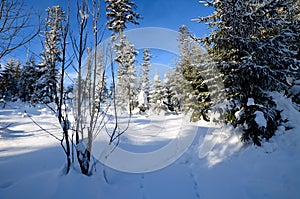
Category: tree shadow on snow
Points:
column 7, row 133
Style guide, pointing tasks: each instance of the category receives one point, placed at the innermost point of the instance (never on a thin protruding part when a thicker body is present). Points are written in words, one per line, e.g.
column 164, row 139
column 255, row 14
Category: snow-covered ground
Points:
column 216, row 165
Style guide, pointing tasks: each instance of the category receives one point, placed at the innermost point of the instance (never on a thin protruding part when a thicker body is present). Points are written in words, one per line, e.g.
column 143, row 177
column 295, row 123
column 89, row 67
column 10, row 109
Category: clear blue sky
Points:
column 170, row 14
column 156, row 13
column 159, row 13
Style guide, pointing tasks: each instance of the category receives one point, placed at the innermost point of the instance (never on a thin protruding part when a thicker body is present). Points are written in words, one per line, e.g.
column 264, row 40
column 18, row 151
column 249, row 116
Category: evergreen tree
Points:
column 157, row 96
column 101, row 85
column 47, row 90
column 255, row 45
column 102, row 92
column 27, row 81
column 193, row 68
column 171, row 96
column 146, row 69
column 126, row 87
column 142, row 100
column 9, row 78
column 180, row 88
column 119, row 13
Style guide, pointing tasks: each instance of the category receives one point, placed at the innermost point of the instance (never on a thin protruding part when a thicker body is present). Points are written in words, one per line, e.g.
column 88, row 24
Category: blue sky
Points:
column 156, row 13
column 172, row 14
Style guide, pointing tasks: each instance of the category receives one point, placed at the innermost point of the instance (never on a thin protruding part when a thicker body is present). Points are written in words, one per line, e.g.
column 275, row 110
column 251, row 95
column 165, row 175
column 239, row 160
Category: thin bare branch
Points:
column 14, row 20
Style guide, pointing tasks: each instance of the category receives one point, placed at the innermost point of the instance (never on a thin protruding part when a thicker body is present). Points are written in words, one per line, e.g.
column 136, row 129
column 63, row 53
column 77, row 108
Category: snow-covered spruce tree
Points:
column 101, row 85
column 191, row 64
column 28, row 79
column 146, row 69
column 179, row 86
column 255, row 45
column 9, row 78
column 145, row 81
column 142, row 101
column 47, row 90
column 157, row 96
column 168, row 94
column 119, row 14
column 50, row 86
column 172, row 93
column 294, row 91
column 42, row 90
column 126, row 91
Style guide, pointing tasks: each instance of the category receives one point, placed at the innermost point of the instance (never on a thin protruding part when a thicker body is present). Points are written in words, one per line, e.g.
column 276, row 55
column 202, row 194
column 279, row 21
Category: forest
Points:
column 240, row 83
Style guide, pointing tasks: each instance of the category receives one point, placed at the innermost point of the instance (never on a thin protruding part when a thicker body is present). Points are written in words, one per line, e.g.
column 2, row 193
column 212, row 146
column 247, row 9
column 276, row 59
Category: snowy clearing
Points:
column 216, row 165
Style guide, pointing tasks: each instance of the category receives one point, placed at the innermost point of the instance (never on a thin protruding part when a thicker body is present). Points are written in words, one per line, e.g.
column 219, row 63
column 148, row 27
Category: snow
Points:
column 295, row 90
column 260, row 119
column 142, row 98
column 216, row 165
column 250, row 102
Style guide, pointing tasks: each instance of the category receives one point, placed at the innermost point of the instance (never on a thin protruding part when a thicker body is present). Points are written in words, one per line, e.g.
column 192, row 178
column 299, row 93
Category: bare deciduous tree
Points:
column 79, row 51
column 15, row 28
